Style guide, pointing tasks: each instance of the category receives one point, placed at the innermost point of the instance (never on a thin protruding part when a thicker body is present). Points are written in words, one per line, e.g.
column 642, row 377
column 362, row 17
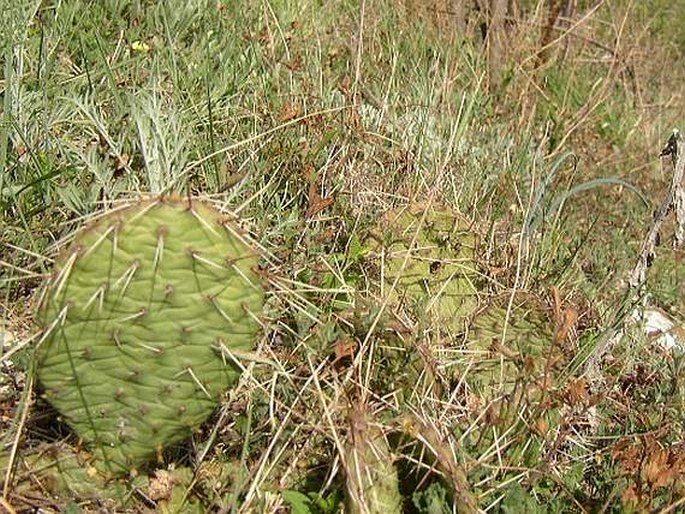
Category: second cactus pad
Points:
column 141, row 318
column 428, row 252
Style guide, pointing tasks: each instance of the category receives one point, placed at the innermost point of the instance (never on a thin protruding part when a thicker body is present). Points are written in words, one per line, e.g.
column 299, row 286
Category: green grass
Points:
column 269, row 107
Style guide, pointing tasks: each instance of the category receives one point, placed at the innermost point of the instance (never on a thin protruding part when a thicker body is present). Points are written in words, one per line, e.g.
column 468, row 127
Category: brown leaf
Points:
column 529, row 364
column 564, row 327
column 493, row 415
column 656, row 470
column 630, row 497
column 290, row 111
column 345, row 348
column 541, row 426
column 316, row 202
column 577, row 392
column 564, row 318
column 627, row 456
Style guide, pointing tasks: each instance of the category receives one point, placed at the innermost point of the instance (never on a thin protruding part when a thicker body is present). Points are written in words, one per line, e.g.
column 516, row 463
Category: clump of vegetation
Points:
column 446, row 201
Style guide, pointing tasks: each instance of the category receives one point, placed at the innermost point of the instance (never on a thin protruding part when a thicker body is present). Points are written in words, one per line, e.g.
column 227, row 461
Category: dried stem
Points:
column 675, row 200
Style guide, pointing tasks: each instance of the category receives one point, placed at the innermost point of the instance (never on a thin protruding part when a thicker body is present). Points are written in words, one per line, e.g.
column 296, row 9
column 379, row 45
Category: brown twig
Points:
column 675, row 200
column 9, row 473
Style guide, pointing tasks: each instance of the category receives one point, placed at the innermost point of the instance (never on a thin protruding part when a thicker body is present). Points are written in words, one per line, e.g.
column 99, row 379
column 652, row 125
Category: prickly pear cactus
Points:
column 497, row 357
column 371, row 482
column 64, row 475
column 141, row 318
column 430, row 251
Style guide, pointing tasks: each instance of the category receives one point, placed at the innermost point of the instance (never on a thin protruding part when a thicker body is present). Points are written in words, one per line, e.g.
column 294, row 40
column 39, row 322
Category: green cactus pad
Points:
column 371, row 480
column 142, row 315
column 429, row 252
column 495, row 364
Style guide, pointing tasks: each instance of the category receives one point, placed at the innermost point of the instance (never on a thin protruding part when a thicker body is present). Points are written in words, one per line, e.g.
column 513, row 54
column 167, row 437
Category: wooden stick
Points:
column 675, row 200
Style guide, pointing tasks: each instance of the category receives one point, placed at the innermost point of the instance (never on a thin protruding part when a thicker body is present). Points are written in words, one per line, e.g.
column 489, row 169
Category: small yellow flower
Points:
column 140, row 46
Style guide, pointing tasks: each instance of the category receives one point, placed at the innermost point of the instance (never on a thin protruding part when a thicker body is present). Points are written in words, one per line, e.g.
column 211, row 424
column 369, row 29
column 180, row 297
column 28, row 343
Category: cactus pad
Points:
column 429, row 252
column 371, row 484
column 496, row 363
column 141, row 318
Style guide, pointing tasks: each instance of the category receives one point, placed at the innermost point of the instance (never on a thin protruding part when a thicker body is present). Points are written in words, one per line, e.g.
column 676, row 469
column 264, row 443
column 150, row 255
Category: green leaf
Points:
column 433, row 500
column 298, row 502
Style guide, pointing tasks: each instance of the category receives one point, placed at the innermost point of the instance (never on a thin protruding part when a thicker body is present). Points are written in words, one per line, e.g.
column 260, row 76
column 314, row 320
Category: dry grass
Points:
column 309, row 122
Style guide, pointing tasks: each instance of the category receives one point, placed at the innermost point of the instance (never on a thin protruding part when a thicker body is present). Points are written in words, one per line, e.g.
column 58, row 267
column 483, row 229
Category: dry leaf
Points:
column 541, row 426
column 316, row 202
column 627, row 455
column 656, row 470
column 630, row 497
column 564, row 327
column 577, row 392
column 290, row 111
column 345, row 348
